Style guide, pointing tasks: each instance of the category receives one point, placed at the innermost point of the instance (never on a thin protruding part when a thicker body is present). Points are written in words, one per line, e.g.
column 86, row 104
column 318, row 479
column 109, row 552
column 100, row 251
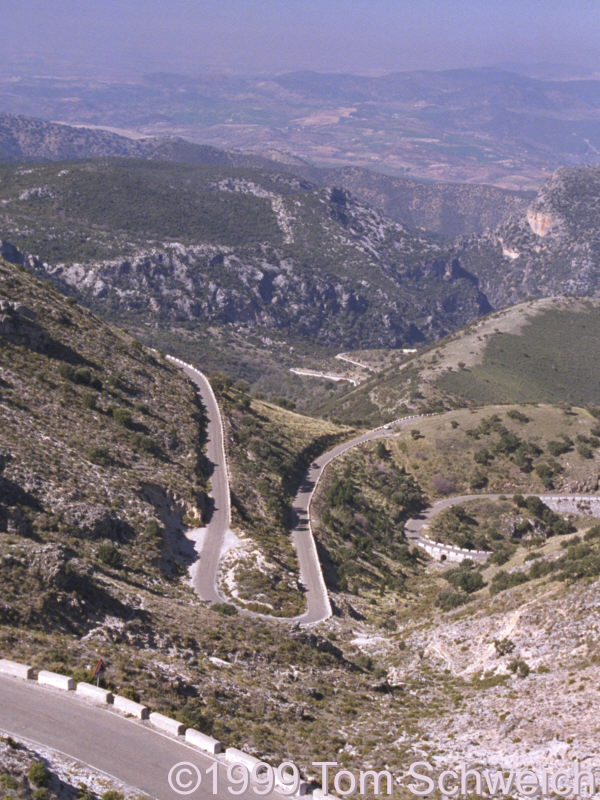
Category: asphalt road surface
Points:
column 318, row 607
column 127, row 750
column 205, row 577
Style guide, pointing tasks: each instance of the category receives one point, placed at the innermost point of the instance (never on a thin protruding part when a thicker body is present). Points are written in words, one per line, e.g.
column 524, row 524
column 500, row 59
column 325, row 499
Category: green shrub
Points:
column 584, row 450
column 145, row 444
column 129, row 693
column 90, row 401
column 506, row 580
column 519, row 667
column 469, row 580
column 226, row 609
column 82, row 375
column 448, row 599
column 517, row 415
column 558, row 448
column 541, row 568
column 122, row 417
column 284, row 402
column 109, row 555
column 592, row 533
column 38, row 774
column 503, row 647
column 112, row 794
column 100, row 455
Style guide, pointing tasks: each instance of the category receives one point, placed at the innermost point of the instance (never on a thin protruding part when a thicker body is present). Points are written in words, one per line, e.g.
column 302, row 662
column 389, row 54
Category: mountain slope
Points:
column 553, row 248
column 450, row 209
column 31, row 139
column 100, row 456
column 260, row 251
column 536, row 352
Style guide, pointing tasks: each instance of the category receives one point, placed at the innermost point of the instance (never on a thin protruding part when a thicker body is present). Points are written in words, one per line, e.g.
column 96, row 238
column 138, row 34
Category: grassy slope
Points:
column 538, row 351
column 548, row 362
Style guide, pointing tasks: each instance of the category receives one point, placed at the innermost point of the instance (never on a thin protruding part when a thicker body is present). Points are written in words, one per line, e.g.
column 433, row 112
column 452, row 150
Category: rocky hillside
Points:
column 100, row 458
column 260, row 251
column 450, row 209
column 551, row 249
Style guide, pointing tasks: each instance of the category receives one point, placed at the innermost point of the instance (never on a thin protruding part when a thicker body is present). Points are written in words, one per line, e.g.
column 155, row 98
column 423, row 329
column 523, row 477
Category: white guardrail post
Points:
column 95, row 693
column 16, row 670
column 167, row 724
column 56, row 680
column 203, row 742
column 130, row 707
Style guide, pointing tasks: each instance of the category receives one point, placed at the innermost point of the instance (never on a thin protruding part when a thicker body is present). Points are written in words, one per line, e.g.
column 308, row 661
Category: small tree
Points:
column 503, row 646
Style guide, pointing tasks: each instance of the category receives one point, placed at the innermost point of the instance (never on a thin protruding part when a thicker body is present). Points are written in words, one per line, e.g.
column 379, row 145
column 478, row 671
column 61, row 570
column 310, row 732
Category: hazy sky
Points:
column 263, row 35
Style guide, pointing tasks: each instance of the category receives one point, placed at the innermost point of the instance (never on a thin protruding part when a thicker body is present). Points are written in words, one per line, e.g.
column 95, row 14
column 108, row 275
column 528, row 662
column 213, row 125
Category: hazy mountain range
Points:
column 473, row 125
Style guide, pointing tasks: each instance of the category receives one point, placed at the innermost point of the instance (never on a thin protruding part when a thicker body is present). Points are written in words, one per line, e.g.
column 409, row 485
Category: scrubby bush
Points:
column 504, row 646
column 506, row 580
column 38, row 774
column 465, row 578
column 517, row 415
column 121, row 416
column 442, row 485
column 100, row 455
column 519, row 667
column 109, row 555
column 448, row 599
column 226, row 609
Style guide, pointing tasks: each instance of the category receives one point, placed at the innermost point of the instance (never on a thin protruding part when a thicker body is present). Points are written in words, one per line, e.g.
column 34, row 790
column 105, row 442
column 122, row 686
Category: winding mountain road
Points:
column 318, row 605
column 415, row 527
column 205, row 574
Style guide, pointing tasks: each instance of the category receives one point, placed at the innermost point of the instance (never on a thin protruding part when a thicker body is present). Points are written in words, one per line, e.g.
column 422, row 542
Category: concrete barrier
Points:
column 167, row 724
column 130, row 707
column 235, row 756
column 203, row 742
column 95, row 693
column 16, row 670
column 56, row 680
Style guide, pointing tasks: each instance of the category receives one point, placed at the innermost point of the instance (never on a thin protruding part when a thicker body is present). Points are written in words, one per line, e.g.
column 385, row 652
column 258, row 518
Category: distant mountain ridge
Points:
column 485, row 126
column 445, row 208
column 29, row 139
column 267, row 251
